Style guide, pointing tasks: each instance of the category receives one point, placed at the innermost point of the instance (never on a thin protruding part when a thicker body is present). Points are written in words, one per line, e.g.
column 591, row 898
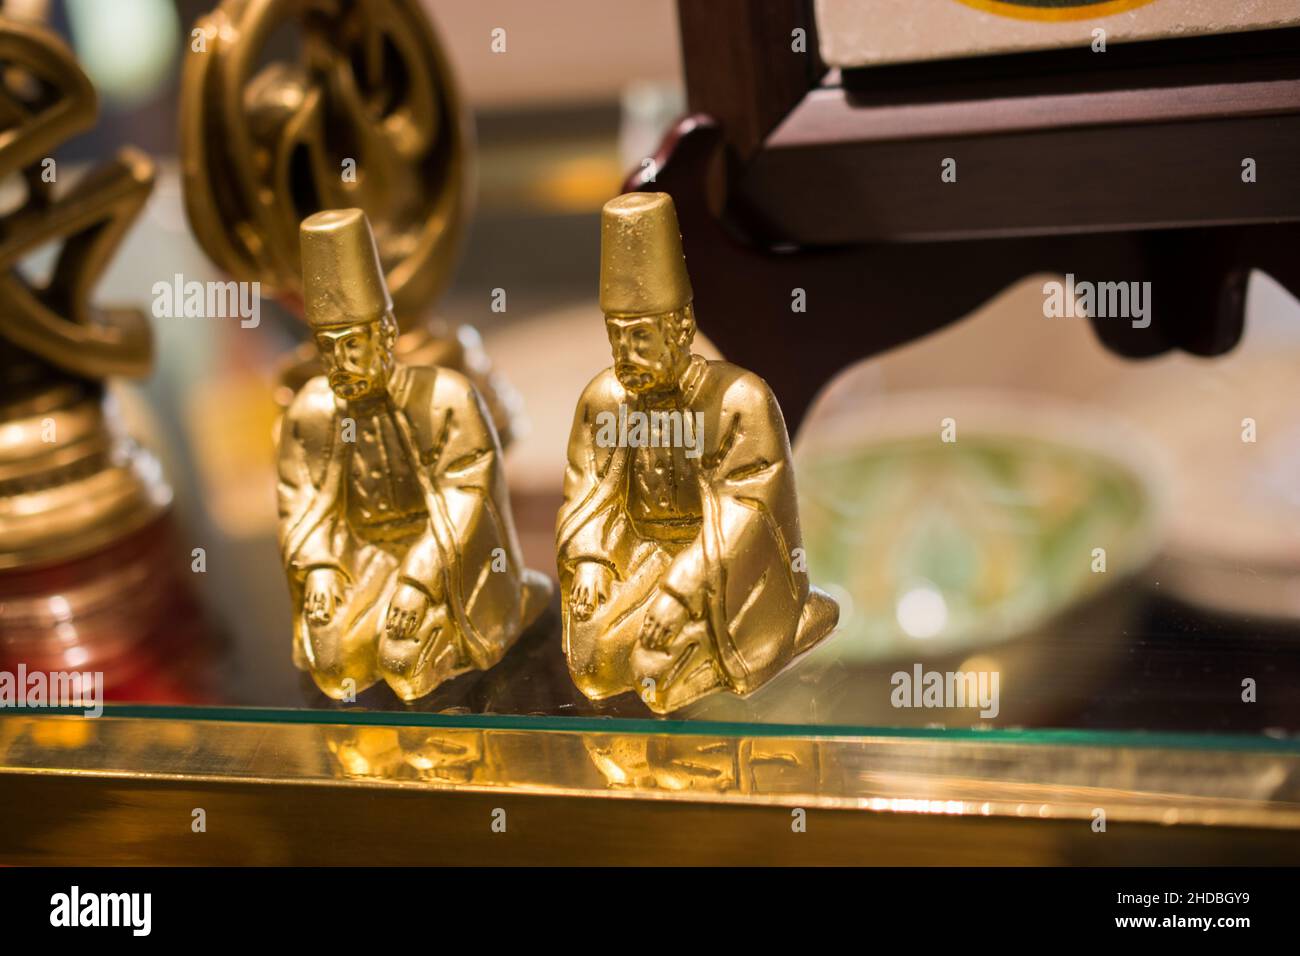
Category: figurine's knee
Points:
column 336, row 684
column 598, row 662
column 413, row 666
column 340, row 667
column 670, row 678
column 599, row 678
column 344, row 679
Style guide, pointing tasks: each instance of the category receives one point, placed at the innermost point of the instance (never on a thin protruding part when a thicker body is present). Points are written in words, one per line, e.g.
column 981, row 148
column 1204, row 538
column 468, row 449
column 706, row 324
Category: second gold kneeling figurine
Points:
column 395, row 523
column 678, row 541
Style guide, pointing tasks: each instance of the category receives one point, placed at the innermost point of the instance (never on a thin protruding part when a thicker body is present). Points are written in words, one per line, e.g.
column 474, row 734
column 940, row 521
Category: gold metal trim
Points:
column 123, row 790
column 1235, row 788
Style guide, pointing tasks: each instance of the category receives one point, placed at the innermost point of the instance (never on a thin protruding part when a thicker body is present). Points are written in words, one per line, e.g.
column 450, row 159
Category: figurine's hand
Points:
column 405, row 612
column 591, row 582
column 665, row 617
column 322, row 593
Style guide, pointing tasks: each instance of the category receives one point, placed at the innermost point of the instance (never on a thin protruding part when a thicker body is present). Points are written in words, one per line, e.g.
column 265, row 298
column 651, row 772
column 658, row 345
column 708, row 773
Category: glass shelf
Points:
column 1127, row 652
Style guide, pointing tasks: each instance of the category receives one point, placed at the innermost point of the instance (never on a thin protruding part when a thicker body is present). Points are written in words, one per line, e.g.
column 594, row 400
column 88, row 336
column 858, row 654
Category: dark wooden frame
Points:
column 790, row 176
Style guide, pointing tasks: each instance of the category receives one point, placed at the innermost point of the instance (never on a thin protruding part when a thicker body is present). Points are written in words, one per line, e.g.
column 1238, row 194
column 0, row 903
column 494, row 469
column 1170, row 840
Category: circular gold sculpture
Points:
column 365, row 115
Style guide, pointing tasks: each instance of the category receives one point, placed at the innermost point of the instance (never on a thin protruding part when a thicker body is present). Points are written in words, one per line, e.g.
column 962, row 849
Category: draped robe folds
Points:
column 451, row 555
column 751, row 611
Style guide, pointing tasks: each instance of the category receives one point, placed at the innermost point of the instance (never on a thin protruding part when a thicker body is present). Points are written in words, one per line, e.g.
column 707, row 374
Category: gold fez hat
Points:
column 642, row 266
column 342, row 280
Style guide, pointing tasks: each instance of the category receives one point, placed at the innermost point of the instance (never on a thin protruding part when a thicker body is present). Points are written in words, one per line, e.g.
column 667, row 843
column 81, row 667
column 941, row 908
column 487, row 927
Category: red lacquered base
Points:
column 128, row 611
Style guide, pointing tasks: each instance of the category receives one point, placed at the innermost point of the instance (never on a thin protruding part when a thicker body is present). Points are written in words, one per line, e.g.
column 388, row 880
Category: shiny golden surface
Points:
column 395, row 523
column 367, row 116
column 678, row 545
column 950, row 775
column 123, row 790
column 70, row 481
column 642, row 266
column 88, row 487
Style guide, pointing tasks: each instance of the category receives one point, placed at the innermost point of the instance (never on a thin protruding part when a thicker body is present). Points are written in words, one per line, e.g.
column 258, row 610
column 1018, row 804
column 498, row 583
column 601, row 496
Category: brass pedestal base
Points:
column 71, row 481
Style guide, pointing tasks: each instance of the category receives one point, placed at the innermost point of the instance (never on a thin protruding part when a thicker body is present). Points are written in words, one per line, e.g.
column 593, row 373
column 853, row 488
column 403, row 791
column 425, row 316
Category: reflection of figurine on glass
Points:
column 679, row 548
column 396, row 529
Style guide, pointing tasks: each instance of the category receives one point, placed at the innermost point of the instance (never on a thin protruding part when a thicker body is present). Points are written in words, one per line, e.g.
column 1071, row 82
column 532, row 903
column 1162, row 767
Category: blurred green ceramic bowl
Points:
column 945, row 546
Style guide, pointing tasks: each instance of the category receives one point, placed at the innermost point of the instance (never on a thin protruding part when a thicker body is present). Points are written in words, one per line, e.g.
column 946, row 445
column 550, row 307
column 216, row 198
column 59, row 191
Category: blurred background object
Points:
column 128, row 47
column 89, row 579
column 868, row 32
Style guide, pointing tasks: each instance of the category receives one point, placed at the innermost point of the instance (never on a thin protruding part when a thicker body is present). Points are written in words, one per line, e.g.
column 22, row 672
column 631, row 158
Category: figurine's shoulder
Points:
column 604, row 390
column 431, row 388
column 733, row 383
column 313, row 402
column 439, row 386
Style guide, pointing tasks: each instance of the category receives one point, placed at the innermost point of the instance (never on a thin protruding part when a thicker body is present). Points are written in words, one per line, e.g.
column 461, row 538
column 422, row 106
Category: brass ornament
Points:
column 265, row 145
column 678, row 543
column 364, row 114
column 71, row 481
column 395, row 523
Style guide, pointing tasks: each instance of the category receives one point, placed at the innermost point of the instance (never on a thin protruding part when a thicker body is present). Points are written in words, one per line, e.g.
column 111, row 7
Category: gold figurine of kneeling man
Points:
column 678, row 535
column 395, row 523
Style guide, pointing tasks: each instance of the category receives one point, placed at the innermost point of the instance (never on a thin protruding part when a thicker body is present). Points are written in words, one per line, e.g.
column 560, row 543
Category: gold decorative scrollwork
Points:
column 70, row 481
column 293, row 106
column 45, row 99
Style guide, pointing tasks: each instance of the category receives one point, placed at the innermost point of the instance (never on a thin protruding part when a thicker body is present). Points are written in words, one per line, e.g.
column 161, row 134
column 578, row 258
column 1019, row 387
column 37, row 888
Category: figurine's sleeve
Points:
column 751, row 486
column 467, row 481
column 585, row 524
column 305, row 444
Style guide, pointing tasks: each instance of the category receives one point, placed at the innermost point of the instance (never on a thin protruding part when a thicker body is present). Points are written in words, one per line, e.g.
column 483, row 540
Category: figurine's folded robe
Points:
column 731, row 562
column 454, row 543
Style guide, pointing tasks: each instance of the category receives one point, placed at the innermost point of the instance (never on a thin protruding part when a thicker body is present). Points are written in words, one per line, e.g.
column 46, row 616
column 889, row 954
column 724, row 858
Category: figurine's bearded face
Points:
column 358, row 358
column 651, row 351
